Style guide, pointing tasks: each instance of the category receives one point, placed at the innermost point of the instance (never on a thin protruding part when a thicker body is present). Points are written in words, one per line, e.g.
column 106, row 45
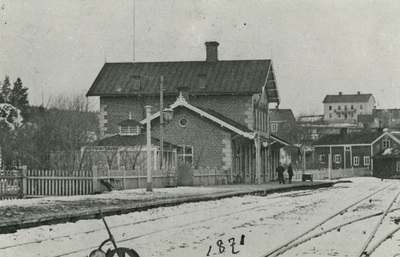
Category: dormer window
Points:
column 136, row 82
column 129, row 128
column 202, row 81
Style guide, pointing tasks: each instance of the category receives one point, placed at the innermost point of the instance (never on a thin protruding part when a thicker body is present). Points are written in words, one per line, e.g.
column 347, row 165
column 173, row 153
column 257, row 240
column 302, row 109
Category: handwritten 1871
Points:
column 221, row 248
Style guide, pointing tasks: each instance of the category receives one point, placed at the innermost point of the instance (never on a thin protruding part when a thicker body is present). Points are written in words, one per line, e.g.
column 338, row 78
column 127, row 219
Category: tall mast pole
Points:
column 134, row 30
column 161, row 120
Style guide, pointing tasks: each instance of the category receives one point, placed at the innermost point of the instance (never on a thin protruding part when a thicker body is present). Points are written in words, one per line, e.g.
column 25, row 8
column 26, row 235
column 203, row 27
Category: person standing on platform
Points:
column 280, row 169
column 290, row 173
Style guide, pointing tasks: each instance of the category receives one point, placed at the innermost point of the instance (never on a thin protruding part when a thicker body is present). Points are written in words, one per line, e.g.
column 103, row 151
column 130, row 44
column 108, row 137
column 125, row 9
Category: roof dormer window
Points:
column 129, row 127
column 129, row 130
column 136, row 82
column 202, row 81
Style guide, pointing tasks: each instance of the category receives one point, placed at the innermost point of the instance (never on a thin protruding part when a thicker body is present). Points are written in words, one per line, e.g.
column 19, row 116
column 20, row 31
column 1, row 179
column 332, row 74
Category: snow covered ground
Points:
column 217, row 228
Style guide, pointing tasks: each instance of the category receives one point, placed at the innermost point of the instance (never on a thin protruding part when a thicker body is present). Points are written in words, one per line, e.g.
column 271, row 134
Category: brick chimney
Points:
column 212, row 51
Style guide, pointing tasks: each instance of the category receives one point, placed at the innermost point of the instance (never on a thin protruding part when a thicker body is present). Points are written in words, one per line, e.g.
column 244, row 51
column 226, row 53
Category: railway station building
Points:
column 220, row 110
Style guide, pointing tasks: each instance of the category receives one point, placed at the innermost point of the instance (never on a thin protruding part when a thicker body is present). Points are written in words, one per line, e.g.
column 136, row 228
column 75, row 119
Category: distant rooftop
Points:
column 349, row 138
column 351, row 98
column 282, row 115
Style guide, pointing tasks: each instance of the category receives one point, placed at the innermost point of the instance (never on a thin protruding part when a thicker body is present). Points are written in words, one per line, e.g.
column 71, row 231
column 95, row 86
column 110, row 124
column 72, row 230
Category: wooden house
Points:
column 387, row 163
column 352, row 150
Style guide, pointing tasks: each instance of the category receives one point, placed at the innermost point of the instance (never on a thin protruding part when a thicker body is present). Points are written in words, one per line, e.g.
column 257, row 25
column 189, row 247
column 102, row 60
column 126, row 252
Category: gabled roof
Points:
column 223, row 121
column 281, row 115
column 226, row 119
column 348, row 139
column 353, row 98
column 282, row 141
column 219, row 77
column 396, row 135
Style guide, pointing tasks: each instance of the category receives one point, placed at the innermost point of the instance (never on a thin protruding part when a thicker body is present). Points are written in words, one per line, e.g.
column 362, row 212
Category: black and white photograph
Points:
column 225, row 128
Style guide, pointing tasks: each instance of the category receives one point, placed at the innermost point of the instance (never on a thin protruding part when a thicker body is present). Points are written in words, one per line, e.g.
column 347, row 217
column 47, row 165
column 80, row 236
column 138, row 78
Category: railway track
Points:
column 101, row 229
column 214, row 217
column 366, row 249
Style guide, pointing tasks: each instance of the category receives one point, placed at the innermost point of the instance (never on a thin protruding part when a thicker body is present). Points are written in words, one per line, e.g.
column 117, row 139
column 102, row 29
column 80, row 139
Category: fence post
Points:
column 139, row 178
column 95, row 176
column 124, row 179
column 329, row 166
column 209, row 176
column 24, row 190
column 215, row 172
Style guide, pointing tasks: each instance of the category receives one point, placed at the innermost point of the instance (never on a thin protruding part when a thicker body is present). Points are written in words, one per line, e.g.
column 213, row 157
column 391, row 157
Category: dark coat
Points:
column 290, row 170
column 280, row 169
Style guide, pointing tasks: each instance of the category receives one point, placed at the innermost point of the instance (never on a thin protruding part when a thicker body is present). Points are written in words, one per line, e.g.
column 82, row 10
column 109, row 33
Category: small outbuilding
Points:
column 386, row 163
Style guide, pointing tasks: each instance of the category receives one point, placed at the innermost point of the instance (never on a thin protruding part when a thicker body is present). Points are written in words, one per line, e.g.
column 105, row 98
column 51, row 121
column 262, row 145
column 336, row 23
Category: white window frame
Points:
column 338, row 158
column 274, row 127
column 322, row 158
column 183, row 154
column 387, row 141
column 367, row 160
column 347, row 148
column 129, row 130
column 356, row 161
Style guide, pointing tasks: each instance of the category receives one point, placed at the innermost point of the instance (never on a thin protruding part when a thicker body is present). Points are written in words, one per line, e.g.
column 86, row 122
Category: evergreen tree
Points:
column 18, row 97
column 5, row 90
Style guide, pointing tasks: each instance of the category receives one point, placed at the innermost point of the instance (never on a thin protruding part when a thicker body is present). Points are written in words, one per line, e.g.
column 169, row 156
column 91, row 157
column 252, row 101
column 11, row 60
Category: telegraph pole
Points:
column 161, row 121
column 148, row 146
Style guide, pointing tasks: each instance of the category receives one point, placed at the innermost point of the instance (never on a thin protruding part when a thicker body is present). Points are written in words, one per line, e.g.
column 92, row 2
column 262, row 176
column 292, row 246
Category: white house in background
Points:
column 345, row 108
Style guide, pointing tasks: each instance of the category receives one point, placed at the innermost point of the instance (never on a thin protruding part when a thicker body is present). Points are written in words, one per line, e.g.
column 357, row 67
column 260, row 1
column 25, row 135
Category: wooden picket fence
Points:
column 11, row 184
column 210, row 176
column 23, row 183
column 133, row 179
column 321, row 174
column 59, row 183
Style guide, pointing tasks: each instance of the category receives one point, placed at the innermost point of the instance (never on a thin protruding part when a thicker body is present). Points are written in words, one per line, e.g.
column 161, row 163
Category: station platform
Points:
column 25, row 213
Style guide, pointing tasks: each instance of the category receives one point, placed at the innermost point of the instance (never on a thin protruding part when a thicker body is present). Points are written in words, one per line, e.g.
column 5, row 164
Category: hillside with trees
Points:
column 28, row 134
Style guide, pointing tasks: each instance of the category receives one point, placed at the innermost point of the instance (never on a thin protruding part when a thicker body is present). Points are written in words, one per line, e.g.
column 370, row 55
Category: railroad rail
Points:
column 300, row 239
column 100, row 229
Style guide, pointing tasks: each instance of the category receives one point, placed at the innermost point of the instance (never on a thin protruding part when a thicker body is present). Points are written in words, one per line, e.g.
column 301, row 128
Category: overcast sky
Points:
column 317, row 47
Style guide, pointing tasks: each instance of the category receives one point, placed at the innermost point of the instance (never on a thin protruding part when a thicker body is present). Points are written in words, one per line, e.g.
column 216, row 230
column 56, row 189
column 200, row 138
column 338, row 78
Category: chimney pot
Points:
column 212, row 51
column 340, row 93
column 358, row 92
